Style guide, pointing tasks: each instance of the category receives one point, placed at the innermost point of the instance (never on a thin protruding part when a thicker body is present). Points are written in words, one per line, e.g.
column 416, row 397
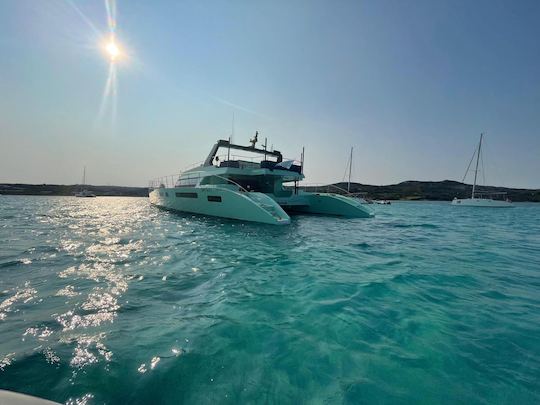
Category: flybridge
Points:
column 223, row 143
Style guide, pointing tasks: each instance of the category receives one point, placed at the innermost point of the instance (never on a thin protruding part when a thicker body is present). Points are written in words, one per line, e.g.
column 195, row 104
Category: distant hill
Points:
column 56, row 189
column 435, row 190
column 408, row 190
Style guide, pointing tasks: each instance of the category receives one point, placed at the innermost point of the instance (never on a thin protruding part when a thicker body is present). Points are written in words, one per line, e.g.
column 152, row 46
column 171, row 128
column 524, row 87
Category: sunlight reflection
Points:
column 98, row 239
column 100, row 274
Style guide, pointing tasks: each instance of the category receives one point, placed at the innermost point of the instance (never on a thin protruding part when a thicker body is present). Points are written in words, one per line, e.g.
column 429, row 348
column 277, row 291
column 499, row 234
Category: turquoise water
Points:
column 110, row 300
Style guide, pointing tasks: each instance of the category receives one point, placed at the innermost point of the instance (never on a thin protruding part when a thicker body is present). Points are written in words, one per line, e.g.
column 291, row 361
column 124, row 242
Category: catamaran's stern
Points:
column 326, row 204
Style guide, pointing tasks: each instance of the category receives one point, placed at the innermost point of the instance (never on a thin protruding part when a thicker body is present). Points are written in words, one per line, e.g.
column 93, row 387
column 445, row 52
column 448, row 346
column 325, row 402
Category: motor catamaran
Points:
column 482, row 199
column 84, row 192
column 249, row 190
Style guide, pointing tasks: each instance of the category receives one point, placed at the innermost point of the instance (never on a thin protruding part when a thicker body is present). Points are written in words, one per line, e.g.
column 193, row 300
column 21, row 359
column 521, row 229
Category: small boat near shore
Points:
column 482, row 199
column 262, row 189
column 85, row 193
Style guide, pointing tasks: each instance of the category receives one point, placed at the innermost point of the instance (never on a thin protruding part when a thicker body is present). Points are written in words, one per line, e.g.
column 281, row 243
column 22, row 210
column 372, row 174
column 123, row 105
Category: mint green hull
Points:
column 326, row 204
column 221, row 202
column 255, row 207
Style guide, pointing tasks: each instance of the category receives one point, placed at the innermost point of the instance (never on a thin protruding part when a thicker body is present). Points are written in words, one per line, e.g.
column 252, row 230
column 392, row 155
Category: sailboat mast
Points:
column 84, row 176
column 477, row 159
column 232, row 130
column 350, row 170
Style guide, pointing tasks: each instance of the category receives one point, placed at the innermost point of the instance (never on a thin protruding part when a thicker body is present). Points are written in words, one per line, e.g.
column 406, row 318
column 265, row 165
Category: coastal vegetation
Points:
column 437, row 191
column 408, row 190
column 67, row 190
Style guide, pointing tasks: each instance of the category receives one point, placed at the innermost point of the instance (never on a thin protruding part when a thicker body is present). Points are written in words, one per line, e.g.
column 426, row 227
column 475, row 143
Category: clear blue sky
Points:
column 409, row 84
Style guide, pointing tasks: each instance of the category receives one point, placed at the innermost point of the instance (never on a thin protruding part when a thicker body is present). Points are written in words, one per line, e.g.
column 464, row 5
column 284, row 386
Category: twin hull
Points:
column 254, row 206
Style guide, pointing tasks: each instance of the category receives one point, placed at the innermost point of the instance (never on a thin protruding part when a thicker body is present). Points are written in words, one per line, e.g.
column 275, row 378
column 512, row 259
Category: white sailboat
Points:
column 360, row 196
column 84, row 192
column 479, row 199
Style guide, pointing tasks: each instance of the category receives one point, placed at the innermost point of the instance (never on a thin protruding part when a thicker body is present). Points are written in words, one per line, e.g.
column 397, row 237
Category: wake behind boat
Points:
column 248, row 190
column 482, row 199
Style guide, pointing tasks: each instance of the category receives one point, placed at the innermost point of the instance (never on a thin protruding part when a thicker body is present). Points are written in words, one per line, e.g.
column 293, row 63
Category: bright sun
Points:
column 112, row 50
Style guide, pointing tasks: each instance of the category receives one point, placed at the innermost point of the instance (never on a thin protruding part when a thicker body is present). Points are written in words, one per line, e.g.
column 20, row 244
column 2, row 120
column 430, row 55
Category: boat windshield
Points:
column 226, row 154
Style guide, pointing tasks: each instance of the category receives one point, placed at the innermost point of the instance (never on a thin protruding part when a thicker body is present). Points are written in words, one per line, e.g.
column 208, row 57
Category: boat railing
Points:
column 226, row 157
column 192, row 166
column 229, row 181
column 192, row 178
column 325, row 188
column 164, row 181
column 491, row 194
column 252, row 159
column 171, row 179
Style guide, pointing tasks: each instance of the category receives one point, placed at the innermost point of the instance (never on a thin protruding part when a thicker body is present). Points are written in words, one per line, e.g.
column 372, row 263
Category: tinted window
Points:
column 186, row 195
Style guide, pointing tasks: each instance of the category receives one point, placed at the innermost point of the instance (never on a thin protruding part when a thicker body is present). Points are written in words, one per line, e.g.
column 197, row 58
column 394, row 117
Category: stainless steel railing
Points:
column 171, row 179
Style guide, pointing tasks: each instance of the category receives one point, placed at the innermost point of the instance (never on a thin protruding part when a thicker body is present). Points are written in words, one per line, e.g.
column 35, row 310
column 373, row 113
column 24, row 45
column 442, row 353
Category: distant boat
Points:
column 84, row 192
column 482, row 199
column 382, row 202
column 359, row 196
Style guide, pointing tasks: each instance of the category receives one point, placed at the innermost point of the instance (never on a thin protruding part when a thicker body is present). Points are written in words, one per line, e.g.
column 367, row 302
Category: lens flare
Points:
column 115, row 54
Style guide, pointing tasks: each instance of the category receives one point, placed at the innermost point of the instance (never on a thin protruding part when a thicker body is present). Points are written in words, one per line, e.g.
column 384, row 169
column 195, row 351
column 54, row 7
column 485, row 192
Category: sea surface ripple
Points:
column 110, row 300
